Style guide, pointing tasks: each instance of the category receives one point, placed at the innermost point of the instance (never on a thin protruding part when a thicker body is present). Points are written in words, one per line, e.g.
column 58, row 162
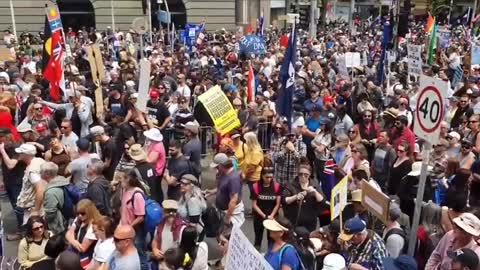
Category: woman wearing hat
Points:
column 227, row 147
column 281, row 254
column 192, row 203
column 156, row 154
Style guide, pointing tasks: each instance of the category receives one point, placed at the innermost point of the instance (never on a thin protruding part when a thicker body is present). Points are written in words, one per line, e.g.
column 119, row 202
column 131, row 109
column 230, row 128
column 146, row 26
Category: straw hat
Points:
column 137, row 153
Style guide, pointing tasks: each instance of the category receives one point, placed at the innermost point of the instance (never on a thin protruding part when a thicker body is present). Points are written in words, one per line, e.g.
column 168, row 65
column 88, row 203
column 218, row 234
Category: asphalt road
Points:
column 208, row 181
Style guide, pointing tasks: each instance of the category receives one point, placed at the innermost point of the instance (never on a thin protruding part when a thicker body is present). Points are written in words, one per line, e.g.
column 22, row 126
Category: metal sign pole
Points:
column 419, row 199
column 14, row 25
column 112, row 10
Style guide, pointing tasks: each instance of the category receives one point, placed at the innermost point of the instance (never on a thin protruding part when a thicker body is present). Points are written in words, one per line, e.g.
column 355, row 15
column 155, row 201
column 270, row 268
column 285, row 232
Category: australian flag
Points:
column 287, row 75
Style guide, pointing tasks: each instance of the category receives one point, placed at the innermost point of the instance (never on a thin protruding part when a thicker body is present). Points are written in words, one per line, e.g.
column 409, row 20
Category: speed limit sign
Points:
column 430, row 108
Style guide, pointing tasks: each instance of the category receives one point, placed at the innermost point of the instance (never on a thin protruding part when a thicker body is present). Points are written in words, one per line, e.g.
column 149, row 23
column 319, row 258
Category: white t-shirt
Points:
column 104, row 250
column 184, row 91
column 70, row 141
column 201, row 261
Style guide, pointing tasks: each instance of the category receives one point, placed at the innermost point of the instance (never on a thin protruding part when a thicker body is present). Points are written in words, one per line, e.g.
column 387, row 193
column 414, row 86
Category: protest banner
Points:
column 352, row 59
column 143, row 85
column 220, row 109
column 252, row 44
column 444, row 38
column 375, row 201
column 242, row 254
column 338, row 199
column 414, row 59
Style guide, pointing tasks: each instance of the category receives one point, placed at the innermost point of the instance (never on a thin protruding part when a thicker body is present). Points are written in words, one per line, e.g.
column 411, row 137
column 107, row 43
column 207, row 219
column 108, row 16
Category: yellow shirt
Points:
column 253, row 160
column 30, row 253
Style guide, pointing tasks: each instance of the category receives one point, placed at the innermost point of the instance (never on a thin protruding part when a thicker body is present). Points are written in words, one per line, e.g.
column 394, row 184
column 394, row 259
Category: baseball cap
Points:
column 97, row 130
column 402, row 262
column 394, row 211
column 170, row 205
column 455, row 135
column 41, row 127
column 351, row 227
column 469, row 223
column 220, row 159
column 465, row 256
column 27, row 149
column 83, row 144
column 154, row 94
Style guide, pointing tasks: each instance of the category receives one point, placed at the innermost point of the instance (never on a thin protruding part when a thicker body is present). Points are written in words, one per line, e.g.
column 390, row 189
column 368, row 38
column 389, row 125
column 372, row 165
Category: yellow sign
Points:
column 220, row 110
column 338, row 200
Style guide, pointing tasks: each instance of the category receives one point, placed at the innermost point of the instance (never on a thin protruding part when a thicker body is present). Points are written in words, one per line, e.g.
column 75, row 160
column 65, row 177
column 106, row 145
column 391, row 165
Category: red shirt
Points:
column 407, row 136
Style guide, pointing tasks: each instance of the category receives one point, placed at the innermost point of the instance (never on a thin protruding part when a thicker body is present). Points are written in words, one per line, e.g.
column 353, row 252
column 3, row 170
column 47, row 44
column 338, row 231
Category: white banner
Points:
column 143, row 85
column 242, row 255
column 352, row 59
column 414, row 59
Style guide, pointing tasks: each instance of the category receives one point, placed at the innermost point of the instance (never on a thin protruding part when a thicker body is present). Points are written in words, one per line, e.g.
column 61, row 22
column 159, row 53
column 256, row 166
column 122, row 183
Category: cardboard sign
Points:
column 252, row 44
column 220, row 109
column 414, row 59
column 6, row 54
column 98, row 73
column 243, row 255
column 143, row 85
column 375, row 201
column 338, row 198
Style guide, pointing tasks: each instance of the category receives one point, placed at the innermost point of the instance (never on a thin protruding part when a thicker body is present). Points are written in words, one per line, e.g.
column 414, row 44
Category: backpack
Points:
column 71, row 196
column 212, row 219
column 280, row 257
column 153, row 212
column 276, row 188
column 402, row 233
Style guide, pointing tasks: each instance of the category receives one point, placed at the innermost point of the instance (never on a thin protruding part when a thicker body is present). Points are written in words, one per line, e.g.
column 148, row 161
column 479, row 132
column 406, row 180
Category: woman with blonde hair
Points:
column 80, row 235
column 253, row 160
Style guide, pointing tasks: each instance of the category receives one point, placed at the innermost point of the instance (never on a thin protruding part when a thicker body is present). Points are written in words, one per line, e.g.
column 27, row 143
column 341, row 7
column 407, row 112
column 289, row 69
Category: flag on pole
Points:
column 387, row 38
column 467, row 17
column 54, row 20
column 251, row 85
column 54, row 69
column 430, row 23
column 433, row 45
column 284, row 102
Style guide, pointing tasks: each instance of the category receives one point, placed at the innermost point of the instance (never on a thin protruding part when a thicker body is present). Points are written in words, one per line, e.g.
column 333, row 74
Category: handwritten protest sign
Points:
column 338, row 199
column 352, row 59
column 414, row 59
column 143, row 85
column 375, row 201
column 252, row 44
column 242, row 255
column 220, row 109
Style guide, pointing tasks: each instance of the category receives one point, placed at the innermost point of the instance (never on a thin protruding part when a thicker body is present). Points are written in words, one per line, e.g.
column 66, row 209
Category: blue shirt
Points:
column 312, row 125
column 289, row 258
column 309, row 104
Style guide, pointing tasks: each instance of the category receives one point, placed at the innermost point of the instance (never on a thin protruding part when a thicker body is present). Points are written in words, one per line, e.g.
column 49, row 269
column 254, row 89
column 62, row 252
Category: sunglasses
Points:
column 354, row 151
column 367, row 116
column 400, row 150
column 403, row 104
column 38, row 109
column 472, row 122
column 64, row 127
column 37, row 228
column 81, row 213
column 352, row 131
column 116, row 240
column 466, row 146
column 184, row 183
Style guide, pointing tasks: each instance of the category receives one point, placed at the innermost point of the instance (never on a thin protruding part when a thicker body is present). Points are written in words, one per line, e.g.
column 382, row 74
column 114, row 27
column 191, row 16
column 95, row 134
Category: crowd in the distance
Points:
column 125, row 188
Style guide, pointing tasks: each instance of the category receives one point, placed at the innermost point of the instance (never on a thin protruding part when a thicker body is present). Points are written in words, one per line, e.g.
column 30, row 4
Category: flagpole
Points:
column 14, row 25
column 150, row 20
column 112, row 10
column 449, row 11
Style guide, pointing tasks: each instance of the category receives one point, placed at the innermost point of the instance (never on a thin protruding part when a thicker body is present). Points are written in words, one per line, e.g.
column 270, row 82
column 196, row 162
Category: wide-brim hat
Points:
column 417, row 168
column 274, row 226
column 137, row 153
column 153, row 134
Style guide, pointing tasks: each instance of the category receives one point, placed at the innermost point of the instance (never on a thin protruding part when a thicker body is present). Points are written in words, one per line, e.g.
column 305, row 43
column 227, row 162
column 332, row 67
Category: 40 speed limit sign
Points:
column 430, row 108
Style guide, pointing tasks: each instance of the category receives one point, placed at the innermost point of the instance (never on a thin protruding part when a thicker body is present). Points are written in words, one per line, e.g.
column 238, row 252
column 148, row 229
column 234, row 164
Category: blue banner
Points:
column 252, row 44
column 163, row 16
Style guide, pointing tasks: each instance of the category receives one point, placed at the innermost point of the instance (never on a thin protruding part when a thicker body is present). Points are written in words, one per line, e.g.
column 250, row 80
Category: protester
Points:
column 192, row 204
column 98, row 190
column 280, row 232
column 125, row 256
column 31, row 248
column 54, row 198
column 103, row 230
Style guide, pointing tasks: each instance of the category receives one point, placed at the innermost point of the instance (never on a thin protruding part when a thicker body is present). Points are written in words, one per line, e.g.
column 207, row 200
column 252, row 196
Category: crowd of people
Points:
column 84, row 185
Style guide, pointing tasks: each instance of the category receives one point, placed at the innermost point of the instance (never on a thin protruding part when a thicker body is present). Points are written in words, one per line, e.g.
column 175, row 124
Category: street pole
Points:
column 352, row 9
column 112, row 10
column 313, row 24
column 450, row 11
column 419, row 199
column 149, row 12
column 169, row 16
column 14, row 25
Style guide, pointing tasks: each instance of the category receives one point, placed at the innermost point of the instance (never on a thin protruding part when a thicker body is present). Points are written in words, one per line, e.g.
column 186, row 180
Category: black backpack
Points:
column 212, row 219
column 402, row 233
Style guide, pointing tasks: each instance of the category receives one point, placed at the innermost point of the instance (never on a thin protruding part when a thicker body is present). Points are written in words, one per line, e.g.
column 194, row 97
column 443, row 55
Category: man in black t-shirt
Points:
column 12, row 171
column 123, row 133
column 110, row 152
column 158, row 114
column 177, row 166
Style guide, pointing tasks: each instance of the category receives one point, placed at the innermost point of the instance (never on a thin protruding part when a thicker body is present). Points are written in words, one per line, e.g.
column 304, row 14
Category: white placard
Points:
column 352, row 59
column 430, row 108
column 143, row 85
column 242, row 255
column 414, row 59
